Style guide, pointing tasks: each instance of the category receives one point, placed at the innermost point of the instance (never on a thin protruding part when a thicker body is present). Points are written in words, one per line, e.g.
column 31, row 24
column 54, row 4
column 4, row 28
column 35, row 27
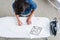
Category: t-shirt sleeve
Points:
column 33, row 4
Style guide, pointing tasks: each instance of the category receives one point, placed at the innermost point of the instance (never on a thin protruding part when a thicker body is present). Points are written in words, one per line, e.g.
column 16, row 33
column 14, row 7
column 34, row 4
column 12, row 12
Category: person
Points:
column 24, row 8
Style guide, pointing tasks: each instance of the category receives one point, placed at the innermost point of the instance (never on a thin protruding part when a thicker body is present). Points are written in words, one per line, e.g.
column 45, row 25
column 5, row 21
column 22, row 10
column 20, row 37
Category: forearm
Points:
column 32, row 13
column 18, row 18
column 30, row 16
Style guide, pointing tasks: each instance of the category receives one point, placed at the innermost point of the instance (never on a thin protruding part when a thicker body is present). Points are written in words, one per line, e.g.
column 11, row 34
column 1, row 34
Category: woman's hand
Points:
column 19, row 23
column 29, row 21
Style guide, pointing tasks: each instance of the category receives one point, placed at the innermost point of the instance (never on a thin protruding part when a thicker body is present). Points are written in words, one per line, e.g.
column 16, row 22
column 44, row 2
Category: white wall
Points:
column 6, row 8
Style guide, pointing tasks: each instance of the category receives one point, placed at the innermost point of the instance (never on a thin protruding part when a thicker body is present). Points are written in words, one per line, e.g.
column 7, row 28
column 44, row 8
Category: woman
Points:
column 24, row 8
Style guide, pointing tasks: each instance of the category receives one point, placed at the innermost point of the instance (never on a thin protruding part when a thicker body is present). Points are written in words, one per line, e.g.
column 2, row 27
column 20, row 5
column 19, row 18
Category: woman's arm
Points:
column 32, row 13
column 18, row 19
column 33, row 7
column 30, row 16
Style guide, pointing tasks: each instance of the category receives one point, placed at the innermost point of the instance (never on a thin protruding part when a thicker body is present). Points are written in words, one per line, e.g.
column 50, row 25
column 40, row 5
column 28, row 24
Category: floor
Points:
column 44, row 9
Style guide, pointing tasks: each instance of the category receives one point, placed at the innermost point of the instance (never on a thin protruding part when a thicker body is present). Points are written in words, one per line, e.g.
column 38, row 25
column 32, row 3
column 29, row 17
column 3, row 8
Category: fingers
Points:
column 28, row 21
column 20, row 23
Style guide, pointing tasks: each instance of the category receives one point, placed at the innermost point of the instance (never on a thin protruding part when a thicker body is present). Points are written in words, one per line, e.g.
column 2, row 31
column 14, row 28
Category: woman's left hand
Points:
column 29, row 21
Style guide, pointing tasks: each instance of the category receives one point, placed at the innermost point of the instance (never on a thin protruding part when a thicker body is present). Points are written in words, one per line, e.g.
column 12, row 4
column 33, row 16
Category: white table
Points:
column 10, row 29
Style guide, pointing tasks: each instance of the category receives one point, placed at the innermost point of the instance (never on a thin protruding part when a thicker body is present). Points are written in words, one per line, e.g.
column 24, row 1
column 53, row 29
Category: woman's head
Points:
column 21, row 0
column 22, row 6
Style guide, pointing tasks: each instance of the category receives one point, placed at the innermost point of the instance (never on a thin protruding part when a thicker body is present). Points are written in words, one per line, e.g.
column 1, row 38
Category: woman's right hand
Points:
column 19, row 23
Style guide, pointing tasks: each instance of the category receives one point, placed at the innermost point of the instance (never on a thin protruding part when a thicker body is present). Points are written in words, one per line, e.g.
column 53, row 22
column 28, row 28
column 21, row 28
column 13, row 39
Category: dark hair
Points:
column 20, row 0
column 20, row 7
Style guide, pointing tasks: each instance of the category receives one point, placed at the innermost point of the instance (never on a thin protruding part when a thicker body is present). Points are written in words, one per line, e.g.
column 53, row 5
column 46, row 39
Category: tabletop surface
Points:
column 10, row 29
